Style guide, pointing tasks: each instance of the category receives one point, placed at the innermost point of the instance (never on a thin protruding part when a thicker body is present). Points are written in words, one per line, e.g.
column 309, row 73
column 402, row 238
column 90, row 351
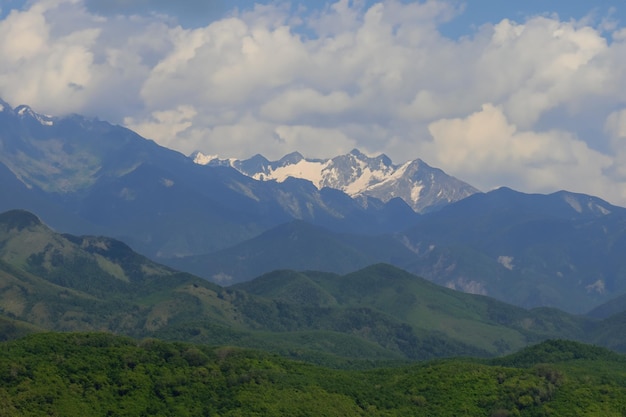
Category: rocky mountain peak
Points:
column 363, row 157
column 258, row 163
column 290, row 159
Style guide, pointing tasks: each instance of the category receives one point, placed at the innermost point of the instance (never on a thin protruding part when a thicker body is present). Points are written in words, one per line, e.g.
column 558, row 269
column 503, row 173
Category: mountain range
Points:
column 87, row 177
column 61, row 282
column 563, row 250
column 422, row 187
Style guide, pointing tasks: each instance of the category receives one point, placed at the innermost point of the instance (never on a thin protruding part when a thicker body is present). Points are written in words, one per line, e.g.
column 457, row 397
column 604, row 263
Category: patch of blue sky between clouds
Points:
column 471, row 13
column 7, row 5
column 479, row 12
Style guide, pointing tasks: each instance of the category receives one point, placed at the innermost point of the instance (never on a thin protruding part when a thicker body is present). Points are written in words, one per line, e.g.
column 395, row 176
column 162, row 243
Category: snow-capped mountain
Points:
column 421, row 186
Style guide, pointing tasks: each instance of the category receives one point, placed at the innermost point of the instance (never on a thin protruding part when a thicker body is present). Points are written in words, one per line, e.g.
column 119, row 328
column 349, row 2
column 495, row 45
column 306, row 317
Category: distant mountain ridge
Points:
column 421, row 186
column 562, row 250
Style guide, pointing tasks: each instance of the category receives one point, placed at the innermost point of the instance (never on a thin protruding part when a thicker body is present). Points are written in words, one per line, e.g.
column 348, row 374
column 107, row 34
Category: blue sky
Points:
column 528, row 94
column 194, row 13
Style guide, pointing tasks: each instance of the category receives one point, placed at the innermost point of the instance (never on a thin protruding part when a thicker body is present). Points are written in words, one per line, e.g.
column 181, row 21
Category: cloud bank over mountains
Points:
column 537, row 105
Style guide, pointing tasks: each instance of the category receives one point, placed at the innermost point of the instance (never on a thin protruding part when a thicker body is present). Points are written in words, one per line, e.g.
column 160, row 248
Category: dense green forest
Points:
column 98, row 374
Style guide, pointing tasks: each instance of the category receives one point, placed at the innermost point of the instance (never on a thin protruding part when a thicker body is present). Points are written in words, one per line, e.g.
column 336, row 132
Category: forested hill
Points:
column 96, row 374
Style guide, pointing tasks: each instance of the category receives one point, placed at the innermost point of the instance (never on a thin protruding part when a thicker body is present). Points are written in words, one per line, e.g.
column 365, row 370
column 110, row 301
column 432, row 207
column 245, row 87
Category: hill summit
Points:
column 18, row 219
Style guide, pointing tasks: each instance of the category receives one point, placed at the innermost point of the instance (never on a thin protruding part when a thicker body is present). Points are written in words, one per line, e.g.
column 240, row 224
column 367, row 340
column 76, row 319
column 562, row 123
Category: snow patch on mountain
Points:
column 23, row 110
column 168, row 183
column 202, row 159
column 392, row 175
column 211, row 160
column 506, row 261
column 415, row 192
column 309, row 170
column 583, row 203
column 598, row 287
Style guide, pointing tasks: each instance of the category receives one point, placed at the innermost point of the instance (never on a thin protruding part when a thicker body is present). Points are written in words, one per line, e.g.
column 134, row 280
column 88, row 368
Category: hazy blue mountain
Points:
column 612, row 307
column 298, row 246
column 563, row 249
column 422, row 187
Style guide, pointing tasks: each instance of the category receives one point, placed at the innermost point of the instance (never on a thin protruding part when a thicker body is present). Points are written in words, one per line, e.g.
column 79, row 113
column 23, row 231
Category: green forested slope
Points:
column 482, row 322
column 99, row 374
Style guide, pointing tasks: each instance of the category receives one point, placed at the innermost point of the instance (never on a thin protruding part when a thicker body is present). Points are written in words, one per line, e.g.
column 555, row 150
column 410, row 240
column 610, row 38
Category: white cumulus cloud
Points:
column 536, row 104
column 486, row 148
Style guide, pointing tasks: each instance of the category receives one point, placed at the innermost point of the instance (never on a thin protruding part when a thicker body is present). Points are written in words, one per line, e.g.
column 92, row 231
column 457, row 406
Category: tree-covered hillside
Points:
column 96, row 374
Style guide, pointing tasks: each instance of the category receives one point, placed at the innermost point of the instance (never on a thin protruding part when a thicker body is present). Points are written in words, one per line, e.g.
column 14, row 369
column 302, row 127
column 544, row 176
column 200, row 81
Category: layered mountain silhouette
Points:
column 563, row 250
column 52, row 281
column 86, row 176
